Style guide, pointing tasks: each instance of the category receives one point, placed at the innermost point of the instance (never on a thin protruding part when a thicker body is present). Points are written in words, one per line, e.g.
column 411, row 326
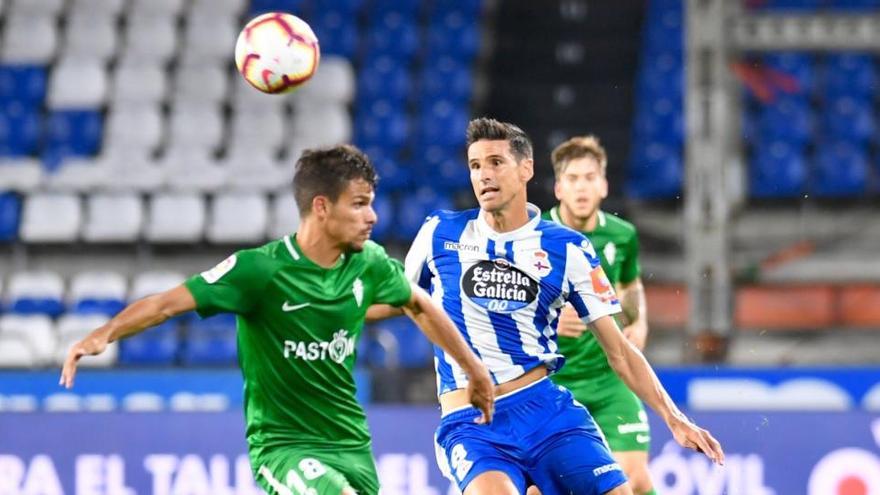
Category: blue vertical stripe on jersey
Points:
column 506, row 331
column 549, row 293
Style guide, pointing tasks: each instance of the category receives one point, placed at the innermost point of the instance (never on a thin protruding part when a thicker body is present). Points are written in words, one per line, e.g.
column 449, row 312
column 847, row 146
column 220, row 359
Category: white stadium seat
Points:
column 35, row 331
column 150, row 39
column 285, row 216
column 155, row 8
column 77, row 83
column 139, row 83
column 176, row 217
column 90, row 36
column 333, row 82
column 209, row 38
column 51, row 217
column 73, row 327
column 321, row 125
column 238, row 217
column 16, row 352
column 135, row 127
column 29, row 39
column 113, row 218
column 76, row 174
column 96, row 7
column 149, row 283
column 35, row 285
column 232, row 8
column 196, row 126
column 98, row 285
column 20, row 174
column 203, row 83
column 260, row 130
column 127, row 171
column 36, row 7
column 256, row 171
column 190, row 170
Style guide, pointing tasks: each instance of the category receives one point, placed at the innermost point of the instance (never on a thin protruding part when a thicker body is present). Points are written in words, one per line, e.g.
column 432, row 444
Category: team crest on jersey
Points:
column 357, row 288
column 541, row 262
column 499, row 286
column 610, row 252
column 339, row 347
column 214, row 274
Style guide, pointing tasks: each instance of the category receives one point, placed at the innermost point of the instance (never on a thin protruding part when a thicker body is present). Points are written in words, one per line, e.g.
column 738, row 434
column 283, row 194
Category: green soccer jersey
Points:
column 617, row 243
column 298, row 325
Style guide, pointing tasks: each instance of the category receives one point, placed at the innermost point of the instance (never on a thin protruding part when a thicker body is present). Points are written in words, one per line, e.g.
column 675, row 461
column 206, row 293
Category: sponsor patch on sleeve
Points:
column 214, row 274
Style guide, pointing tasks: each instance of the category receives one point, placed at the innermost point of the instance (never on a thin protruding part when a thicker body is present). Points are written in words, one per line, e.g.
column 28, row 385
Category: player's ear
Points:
column 557, row 190
column 320, row 206
column 603, row 187
column 526, row 169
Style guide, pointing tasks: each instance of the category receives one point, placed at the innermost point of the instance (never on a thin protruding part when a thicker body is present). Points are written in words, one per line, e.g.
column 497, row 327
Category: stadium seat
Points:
column 20, row 174
column 850, row 75
column 856, row 5
column 157, row 346
column 139, row 84
column 135, row 127
column 446, row 79
column 285, row 216
column 655, row 172
column 16, row 352
column 113, row 218
column 798, row 66
column 662, row 76
column 414, row 349
column 413, row 208
column 50, row 217
column 90, row 36
column 36, row 7
column 405, row 8
column 232, row 8
column 209, row 39
column 788, row 119
column 77, row 132
column 28, row 39
column 72, row 328
column 202, row 84
column 32, row 330
column 126, row 171
column 384, row 208
column 442, row 124
column 23, row 83
column 263, row 6
column 97, row 292
column 151, row 39
column 153, row 282
column 777, row 170
column 198, row 126
column 455, row 35
column 77, row 84
column 393, row 34
column 840, row 170
column 444, row 167
column 338, row 33
column 76, row 175
column 315, row 125
column 334, row 82
column 471, row 8
column 39, row 292
column 156, row 8
column 192, row 170
column 253, row 132
column 382, row 124
column 804, row 5
column 10, row 213
column 384, row 78
column 395, row 175
column 662, row 120
column 97, row 7
column 20, row 129
column 851, row 120
column 176, row 217
column 211, row 341
column 256, row 172
column 238, row 218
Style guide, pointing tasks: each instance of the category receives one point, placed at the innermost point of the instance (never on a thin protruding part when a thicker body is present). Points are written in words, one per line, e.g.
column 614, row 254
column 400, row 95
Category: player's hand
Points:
column 637, row 334
column 570, row 324
column 91, row 345
column 481, row 391
column 691, row 436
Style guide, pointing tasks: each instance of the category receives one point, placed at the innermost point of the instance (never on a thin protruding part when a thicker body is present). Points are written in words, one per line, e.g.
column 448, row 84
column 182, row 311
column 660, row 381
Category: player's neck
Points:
column 316, row 246
column 581, row 224
column 507, row 219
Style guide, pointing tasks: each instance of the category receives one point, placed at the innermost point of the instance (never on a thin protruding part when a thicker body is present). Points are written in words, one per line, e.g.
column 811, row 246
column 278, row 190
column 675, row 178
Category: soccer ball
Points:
column 277, row 52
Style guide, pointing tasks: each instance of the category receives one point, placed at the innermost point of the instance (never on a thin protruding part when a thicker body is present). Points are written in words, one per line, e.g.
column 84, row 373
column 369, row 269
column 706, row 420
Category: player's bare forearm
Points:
column 378, row 312
column 635, row 308
column 142, row 314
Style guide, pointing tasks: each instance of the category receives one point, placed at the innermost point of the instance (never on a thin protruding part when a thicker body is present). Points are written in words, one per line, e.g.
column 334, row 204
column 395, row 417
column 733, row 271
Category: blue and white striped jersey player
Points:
column 503, row 274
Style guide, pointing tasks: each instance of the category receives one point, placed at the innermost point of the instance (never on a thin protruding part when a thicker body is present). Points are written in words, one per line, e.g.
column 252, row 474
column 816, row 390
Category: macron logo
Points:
column 457, row 246
column 287, row 307
column 607, row 468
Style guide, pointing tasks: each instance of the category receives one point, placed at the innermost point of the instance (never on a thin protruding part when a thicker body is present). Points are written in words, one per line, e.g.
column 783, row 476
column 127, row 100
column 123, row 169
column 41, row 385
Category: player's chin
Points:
column 357, row 245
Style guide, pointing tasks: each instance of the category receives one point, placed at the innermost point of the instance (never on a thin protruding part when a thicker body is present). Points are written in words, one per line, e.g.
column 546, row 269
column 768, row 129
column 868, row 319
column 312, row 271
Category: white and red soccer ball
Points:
column 277, row 52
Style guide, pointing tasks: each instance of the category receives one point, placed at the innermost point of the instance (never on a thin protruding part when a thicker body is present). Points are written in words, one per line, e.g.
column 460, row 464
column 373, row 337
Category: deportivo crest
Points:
column 214, row 274
column 357, row 288
column 541, row 262
column 499, row 286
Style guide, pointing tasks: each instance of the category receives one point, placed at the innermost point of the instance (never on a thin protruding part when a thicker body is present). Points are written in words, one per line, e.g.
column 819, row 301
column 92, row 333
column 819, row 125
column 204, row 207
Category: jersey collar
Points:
column 534, row 217
column 554, row 215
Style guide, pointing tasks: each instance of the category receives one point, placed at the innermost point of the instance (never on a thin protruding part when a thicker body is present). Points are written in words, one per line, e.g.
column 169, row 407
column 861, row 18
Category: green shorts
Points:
column 307, row 470
column 616, row 409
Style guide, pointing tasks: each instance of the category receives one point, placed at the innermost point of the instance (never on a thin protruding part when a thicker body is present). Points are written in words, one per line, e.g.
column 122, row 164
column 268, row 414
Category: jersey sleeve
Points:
column 416, row 262
column 630, row 269
column 589, row 290
column 233, row 286
column 392, row 285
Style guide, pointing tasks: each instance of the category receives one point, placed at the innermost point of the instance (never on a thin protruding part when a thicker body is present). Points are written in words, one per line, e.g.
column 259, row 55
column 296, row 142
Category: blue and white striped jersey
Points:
column 504, row 290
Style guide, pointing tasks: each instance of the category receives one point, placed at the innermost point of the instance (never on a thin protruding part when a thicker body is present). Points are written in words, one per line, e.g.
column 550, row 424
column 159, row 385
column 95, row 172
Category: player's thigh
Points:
column 623, row 489
column 299, row 472
column 635, row 465
column 492, row 483
column 576, row 461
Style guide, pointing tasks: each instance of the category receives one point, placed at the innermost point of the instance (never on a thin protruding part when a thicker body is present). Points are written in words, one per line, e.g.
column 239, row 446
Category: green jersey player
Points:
column 300, row 304
column 579, row 165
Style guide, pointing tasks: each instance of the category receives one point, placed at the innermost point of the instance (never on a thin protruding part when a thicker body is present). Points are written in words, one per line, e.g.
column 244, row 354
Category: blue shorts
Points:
column 539, row 436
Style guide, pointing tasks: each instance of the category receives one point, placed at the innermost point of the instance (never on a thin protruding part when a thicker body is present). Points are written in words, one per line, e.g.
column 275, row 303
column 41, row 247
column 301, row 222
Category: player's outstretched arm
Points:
column 378, row 312
column 137, row 316
column 632, row 367
column 437, row 326
column 635, row 308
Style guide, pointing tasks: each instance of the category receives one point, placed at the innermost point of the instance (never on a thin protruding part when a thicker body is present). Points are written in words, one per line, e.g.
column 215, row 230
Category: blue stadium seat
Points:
column 840, row 170
column 850, row 75
column 661, row 119
column 851, row 120
column 20, row 127
column 787, row 119
column 855, row 4
column 337, row 33
column 384, row 208
column 445, row 79
column 414, row 349
column 407, row 8
column 349, row 6
column 414, row 207
column 443, row 123
column 777, row 170
column 156, row 346
column 383, row 77
column 23, row 83
column 381, row 124
column 661, row 77
column 443, row 167
column 393, row 175
column 73, row 133
column 394, row 34
column 789, row 4
column 799, row 66
column 10, row 216
column 296, row 7
column 655, row 172
column 470, row 8
column 454, row 34
column 664, row 31
column 211, row 341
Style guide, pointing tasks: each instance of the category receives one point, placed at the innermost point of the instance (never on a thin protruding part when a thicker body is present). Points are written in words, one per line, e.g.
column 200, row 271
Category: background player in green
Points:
column 300, row 303
column 579, row 165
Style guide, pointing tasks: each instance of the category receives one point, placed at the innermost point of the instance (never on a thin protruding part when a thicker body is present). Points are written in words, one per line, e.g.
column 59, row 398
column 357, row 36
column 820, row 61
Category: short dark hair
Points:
column 327, row 172
column 485, row 128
